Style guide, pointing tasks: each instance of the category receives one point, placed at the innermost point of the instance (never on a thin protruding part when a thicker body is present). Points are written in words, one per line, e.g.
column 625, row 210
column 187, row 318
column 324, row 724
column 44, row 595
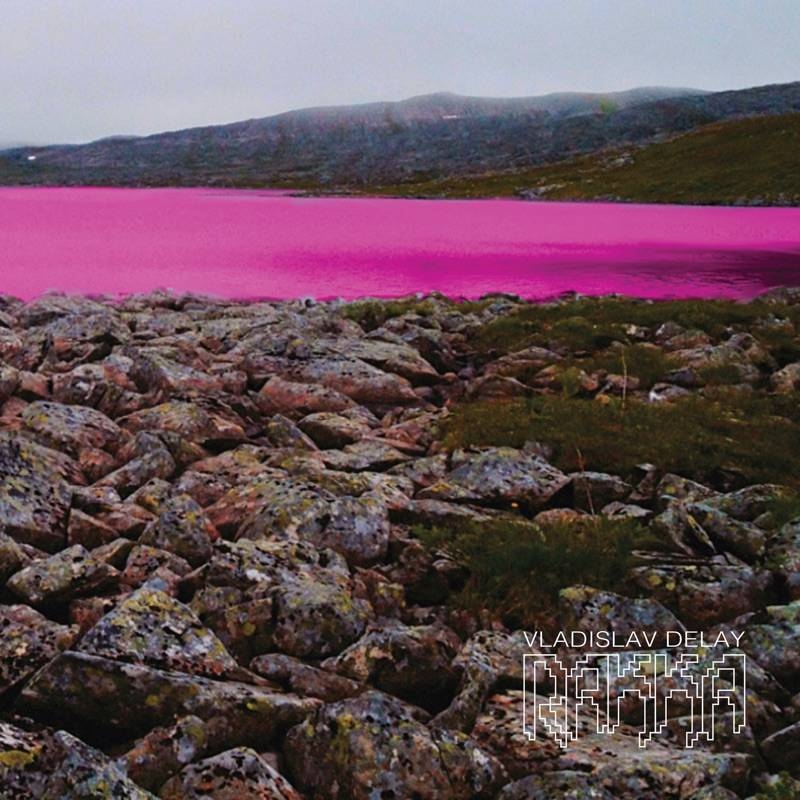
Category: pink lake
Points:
column 269, row 244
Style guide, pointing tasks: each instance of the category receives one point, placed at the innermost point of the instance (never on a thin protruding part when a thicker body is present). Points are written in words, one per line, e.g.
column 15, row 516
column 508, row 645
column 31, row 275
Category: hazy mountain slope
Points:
column 754, row 160
column 379, row 143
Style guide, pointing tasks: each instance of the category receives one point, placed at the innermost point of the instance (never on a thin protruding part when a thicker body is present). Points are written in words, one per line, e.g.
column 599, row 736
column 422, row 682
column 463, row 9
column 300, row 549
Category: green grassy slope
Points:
column 746, row 160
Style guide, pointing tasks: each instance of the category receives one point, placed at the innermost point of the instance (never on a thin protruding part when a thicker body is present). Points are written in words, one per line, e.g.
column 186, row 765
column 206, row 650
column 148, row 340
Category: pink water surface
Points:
column 269, row 244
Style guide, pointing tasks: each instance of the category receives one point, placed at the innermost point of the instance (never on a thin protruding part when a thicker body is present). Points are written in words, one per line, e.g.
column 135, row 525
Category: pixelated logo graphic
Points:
column 565, row 697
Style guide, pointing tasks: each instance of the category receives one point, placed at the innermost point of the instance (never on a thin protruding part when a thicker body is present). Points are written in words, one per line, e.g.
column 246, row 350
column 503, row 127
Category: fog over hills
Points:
column 388, row 142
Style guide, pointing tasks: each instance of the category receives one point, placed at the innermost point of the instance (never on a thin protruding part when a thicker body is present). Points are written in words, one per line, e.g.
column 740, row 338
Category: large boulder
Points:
column 99, row 696
column 71, row 573
column 296, row 398
column 772, row 639
column 498, row 476
column 308, row 591
column 413, row 663
column 375, row 745
column 703, row 592
column 583, row 608
column 57, row 765
column 71, row 428
column 150, row 627
column 233, row 775
column 361, row 382
column 29, row 640
column 189, row 420
column 183, row 528
column 34, row 493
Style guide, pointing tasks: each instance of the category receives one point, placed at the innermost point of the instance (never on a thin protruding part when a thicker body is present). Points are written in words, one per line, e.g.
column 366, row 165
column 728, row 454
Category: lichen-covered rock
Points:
column 258, row 472
column 189, row 420
column 292, row 397
column 232, row 775
column 354, row 378
column 88, row 531
column 156, row 461
column 163, row 752
column 71, row 428
column 315, row 613
column 674, row 487
column 282, row 432
column 71, row 573
column 58, row 765
column 152, row 368
column 565, row 785
column 593, row 490
column 772, row 640
column 147, row 564
column 374, row 745
column 34, row 495
column 183, row 528
column 783, row 556
column 413, row 663
column 786, row 380
column 12, row 558
column 364, row 455
column 394, row 357
column 582, row 608
column 288, row 509
column 150, row 627
column 28, row 641
column 100, row 696
column 331, row 431
column 607, row 761
column 782, row 749
column 303, row 679
column 498, row 475
column 487, row 661
column 315, row 618
column 703, row 592
column 750, row 502
column 743, row 539
column 358, row 528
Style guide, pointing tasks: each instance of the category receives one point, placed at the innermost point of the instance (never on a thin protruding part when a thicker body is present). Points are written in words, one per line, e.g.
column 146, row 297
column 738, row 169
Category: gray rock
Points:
column 34, row 495
column 102, row 695
column 71, row 573
column 150, row 627
column 499, row 475
column 232, row 775
column 372, row 744
column 28, row 641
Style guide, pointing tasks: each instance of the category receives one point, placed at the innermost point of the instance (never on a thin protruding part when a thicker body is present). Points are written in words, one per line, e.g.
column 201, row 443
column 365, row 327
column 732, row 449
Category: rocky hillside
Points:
column 286, row 550
column 422, row 138
column 753, row 161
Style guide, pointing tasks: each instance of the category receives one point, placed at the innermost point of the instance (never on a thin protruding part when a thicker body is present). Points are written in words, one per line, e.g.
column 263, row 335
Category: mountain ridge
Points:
column 420, row 138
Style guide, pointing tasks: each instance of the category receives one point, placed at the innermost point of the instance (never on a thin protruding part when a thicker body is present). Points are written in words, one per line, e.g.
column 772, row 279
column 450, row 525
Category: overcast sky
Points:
column 75, row 70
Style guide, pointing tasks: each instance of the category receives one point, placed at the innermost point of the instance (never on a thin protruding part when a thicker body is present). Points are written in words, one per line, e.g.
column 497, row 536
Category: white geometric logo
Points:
column 594, row 687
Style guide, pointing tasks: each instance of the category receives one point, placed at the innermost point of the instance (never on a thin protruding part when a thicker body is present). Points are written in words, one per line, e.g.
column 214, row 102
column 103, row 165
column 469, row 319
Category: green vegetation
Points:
column 753, row 436
column 371, row 314
column 516, row 569
column 725, row 162
column 647, row 363
column 592, row 323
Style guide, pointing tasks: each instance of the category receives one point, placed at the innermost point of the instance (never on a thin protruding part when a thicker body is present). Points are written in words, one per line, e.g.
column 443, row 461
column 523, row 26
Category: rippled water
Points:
column 268, row 244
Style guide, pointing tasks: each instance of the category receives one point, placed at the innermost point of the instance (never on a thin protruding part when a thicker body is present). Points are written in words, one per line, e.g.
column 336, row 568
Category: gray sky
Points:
column 74, row 70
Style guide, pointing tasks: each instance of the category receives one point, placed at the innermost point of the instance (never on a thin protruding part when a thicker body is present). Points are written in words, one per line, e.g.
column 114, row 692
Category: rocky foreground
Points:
column 213, row 581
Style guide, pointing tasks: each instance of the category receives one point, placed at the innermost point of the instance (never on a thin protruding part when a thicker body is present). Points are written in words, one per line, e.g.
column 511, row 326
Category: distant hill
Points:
column 433, row 137
column 754, row 161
